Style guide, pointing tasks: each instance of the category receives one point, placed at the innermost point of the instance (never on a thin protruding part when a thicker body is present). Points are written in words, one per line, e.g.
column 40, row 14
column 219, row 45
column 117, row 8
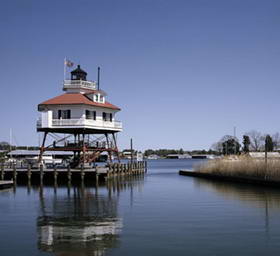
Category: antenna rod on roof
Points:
column 98, row 78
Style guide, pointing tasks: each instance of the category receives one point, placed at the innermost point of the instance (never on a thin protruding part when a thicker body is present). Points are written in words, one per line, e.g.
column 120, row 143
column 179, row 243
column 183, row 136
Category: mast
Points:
column 10, row 140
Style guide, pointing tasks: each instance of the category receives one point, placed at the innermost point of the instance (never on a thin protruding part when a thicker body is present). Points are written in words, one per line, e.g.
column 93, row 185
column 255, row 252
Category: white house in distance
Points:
column 82, row 108
column 81, row 111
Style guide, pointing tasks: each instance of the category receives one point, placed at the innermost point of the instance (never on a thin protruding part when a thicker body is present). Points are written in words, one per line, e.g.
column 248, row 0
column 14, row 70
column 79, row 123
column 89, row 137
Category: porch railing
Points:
column 83, row 122
column 73, row 84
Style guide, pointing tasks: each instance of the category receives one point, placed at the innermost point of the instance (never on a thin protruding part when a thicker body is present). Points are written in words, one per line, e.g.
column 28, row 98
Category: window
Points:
column 101, row 98
column 64, row 114
column 104, row 115
column 96, row 97
column 111, row 117
column 90, row 114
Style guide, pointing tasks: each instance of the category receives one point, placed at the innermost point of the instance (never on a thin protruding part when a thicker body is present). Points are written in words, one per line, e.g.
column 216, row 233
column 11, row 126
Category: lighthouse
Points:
column 80, row 120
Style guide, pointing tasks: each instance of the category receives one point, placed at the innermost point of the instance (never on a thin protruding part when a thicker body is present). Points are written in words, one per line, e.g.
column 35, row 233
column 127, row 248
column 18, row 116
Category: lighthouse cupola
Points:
column 78, row 82
column 78, row 74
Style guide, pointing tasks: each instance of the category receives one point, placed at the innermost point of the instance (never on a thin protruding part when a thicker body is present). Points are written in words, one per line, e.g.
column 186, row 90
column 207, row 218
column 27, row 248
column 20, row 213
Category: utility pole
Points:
column 10, row 140
column 265, row 155
column 235, row 141
column 131, row 150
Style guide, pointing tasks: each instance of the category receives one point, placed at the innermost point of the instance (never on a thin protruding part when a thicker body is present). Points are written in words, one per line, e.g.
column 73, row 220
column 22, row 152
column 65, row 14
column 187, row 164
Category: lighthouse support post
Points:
column 42, row 148
column 116, row 147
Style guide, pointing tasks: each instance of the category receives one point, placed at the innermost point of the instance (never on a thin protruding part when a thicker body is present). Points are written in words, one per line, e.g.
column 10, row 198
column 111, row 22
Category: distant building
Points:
column 178, row 156
column 153, row 157
column 139, row 156
column 204, row 156
column 260, row 155
column 22, row 154
column 127, row 154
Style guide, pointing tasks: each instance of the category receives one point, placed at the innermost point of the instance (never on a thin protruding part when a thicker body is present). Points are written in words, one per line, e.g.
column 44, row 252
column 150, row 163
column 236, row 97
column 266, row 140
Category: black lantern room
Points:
column 78, row 74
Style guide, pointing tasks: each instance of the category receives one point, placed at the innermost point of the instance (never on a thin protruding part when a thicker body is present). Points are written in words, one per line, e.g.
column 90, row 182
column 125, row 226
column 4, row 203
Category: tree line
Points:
column 252, row 141
column 7, row 147
column 165, row 152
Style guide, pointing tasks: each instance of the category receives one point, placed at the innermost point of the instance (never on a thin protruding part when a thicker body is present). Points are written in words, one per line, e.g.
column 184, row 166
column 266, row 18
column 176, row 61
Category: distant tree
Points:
column 231, row 147
column 149, row 152
column 181, row 151
column 268, row 143
column 217, row 147
column 228, row 144
column 128, row 150
column 276, row 140
column 246, row 143
column 256, row 140
column 4, row 145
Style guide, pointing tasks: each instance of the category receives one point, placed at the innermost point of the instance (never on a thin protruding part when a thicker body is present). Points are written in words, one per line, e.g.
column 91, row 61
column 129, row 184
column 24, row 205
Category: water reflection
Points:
column 83, row 220
column 264, row 198
column 258, row 196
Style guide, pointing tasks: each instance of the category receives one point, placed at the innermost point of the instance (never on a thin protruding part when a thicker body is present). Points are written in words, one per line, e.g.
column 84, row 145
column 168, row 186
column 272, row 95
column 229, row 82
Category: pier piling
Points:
column 14, row 172
column 2, row 172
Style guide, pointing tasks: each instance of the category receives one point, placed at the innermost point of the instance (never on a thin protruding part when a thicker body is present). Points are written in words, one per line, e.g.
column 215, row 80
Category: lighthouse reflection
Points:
column 84, row 222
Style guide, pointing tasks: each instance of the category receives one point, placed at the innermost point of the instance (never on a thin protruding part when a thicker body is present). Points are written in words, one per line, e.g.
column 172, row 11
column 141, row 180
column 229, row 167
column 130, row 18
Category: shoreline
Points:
column 209, row 176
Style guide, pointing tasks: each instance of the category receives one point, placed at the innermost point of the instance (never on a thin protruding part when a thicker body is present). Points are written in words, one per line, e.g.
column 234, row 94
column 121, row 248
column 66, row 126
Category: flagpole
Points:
column 64, row 64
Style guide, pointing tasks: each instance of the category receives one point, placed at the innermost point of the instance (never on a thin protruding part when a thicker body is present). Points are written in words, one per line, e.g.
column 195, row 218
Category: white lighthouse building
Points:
column 83, row 113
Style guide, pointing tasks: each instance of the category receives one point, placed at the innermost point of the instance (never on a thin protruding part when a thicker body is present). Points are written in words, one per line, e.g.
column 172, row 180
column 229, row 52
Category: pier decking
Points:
column 6, row 184
column 25, row 175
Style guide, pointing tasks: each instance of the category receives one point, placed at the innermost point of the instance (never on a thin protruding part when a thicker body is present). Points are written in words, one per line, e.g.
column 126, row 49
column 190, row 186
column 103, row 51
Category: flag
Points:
column 68, row 63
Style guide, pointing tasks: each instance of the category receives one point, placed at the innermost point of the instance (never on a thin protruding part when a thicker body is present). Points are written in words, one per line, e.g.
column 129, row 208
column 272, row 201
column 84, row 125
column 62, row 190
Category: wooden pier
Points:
column 62, row 175
column 6, row 184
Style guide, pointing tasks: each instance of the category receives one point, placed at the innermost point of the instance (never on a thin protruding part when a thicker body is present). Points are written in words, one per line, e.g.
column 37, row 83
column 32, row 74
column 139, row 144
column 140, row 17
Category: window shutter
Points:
column 68, row 114
column 59, row 114
column 94, row 115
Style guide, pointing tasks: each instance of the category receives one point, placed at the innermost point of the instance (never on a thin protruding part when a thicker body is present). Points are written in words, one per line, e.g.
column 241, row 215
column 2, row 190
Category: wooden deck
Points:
column 26, row 175
column 6, row 184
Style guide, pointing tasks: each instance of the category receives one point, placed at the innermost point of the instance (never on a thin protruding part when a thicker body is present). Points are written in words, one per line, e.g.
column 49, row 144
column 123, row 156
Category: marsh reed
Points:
column 242, row 166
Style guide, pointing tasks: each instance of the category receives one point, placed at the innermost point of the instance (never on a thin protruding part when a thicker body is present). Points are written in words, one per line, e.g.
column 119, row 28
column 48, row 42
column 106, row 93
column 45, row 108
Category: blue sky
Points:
column 183, row 72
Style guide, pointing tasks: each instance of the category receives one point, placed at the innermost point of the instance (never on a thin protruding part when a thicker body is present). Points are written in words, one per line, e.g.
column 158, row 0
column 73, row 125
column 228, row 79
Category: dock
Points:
column 6, row 184
column 64, row 175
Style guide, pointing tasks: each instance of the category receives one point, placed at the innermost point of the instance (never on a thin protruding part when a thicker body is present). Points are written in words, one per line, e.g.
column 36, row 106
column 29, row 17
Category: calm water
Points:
column 159, row 214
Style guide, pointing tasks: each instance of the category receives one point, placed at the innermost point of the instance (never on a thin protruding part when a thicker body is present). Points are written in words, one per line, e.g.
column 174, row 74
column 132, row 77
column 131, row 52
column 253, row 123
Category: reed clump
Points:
column 242, row 166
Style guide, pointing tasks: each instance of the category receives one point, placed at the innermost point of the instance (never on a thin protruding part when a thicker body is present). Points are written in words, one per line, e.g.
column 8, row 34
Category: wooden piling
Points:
column 82, row 174
column 14, row 172
column 122, row 170
column 118, row 169
column 69, row 174
column 114, row 168
column 146, row 166
column 41, row 174
column 108, row 171
column 29, row 173
column 2, row 172
column 55, row 174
